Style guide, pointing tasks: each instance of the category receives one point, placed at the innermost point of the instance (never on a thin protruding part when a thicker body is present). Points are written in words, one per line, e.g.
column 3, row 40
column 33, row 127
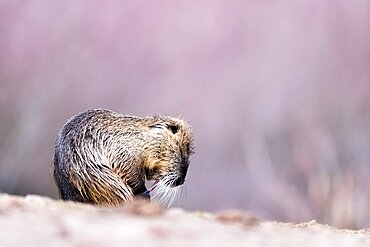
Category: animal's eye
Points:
column 155, row 170
column 173, row 128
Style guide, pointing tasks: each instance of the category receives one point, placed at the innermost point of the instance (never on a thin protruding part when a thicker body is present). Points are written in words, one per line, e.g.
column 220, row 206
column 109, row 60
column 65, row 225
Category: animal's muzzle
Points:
column 183, row 170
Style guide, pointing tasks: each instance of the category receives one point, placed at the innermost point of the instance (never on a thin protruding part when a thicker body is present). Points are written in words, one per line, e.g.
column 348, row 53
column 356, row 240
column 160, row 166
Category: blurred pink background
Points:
column 277, row 93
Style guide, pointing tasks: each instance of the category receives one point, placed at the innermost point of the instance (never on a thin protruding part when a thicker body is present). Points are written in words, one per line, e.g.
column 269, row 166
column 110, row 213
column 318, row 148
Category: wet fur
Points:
column 102, row 157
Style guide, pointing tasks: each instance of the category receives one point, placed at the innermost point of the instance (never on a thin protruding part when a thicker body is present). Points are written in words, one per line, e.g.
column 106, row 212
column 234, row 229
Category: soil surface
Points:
column 40, row 221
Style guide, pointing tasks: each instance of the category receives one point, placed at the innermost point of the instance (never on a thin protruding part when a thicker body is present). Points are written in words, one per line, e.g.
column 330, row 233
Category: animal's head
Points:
column 169, row 149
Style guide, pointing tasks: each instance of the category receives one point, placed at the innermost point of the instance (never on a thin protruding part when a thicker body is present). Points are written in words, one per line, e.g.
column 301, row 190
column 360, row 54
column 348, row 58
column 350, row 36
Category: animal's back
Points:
column 76, row 179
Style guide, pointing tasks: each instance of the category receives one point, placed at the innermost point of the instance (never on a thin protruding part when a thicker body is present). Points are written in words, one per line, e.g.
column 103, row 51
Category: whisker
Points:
column 164, row 192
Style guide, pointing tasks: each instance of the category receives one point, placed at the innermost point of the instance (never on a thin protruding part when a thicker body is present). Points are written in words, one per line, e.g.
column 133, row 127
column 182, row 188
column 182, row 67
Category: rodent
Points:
column 102, row 157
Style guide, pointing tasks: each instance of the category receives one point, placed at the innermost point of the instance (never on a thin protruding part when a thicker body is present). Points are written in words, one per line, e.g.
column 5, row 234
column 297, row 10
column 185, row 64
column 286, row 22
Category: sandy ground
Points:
column 40, row 221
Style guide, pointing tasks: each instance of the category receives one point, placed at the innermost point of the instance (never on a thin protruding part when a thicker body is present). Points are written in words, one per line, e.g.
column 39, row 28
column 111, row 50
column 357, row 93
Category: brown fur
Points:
column 102, row 157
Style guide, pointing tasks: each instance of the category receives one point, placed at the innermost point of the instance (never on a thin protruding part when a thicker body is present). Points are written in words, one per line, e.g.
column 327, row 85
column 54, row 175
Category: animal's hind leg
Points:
column 66, row 190
column 107, row 188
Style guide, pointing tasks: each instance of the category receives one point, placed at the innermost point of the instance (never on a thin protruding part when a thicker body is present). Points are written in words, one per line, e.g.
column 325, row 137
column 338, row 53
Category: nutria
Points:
column 102, row 157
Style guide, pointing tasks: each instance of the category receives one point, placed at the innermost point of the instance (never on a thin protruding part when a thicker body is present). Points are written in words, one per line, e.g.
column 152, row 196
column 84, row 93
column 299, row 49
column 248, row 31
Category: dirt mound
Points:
column 39, row 221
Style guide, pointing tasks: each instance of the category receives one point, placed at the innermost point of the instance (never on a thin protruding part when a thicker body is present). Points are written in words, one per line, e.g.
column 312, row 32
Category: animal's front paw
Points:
column 145, row 195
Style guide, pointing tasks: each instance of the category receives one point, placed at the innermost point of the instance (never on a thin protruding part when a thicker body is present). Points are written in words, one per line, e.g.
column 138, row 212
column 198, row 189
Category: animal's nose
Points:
column 179, row 181
column 183, row 169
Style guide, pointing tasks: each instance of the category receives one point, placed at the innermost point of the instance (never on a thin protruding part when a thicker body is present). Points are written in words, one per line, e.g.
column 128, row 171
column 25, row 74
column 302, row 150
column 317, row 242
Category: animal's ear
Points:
column 174, row 128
